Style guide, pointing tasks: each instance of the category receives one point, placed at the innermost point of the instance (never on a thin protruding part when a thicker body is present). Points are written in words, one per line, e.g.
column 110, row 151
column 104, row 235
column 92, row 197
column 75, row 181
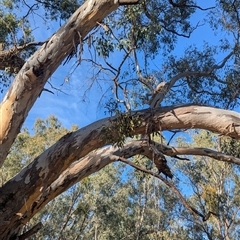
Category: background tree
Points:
column 212, row 190
column 136, row 34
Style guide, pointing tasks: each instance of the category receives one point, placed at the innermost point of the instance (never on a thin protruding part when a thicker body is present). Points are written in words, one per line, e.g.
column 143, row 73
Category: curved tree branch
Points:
column 164, row 87
column 173, row 151
column 26, row 193
column 102, row 157
column 30, row 80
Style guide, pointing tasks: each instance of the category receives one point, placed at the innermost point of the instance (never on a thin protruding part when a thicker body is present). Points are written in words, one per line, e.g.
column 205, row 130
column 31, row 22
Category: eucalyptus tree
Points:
column 212, row 188
column 139, row 32
column 124, row 204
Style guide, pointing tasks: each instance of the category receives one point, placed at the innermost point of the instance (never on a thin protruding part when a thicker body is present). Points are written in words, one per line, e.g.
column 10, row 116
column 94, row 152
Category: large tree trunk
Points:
column 31, row 79
column 43, row 179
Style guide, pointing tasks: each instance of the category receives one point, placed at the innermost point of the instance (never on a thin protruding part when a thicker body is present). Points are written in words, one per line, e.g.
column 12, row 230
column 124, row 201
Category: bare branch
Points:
column 174, row 151
column 30, row 9
column 223, row 62
column 165, row 24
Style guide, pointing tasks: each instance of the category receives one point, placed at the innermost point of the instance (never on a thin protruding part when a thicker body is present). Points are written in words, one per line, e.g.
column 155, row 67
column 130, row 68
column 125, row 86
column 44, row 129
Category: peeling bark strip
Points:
column 35, row 185
column 31, row 79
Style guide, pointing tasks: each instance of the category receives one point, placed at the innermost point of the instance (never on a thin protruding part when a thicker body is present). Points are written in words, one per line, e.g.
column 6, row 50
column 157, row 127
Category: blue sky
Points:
column 68, row 105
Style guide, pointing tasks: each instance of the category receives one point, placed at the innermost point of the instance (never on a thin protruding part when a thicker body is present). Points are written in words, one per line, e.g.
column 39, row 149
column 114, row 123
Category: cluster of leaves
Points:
column 153, row 27
column 230, row 146
column 14, row 29
column 121, row 128
column 17, row 27
column 147, row 26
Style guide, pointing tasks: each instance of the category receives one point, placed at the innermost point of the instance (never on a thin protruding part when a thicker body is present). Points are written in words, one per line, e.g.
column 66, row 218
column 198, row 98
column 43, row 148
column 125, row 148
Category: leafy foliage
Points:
column 118, row 202
column 121, row 128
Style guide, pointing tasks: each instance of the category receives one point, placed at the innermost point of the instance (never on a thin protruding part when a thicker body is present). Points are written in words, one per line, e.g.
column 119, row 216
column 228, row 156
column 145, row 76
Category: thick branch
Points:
column 27, row 192
column 31, row 79
column 102, row 157
column 92, row 163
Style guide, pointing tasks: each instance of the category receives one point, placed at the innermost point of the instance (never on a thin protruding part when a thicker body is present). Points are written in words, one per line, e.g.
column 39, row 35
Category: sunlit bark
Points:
column 83, row 152
column 32, row 77
column 28, row 192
